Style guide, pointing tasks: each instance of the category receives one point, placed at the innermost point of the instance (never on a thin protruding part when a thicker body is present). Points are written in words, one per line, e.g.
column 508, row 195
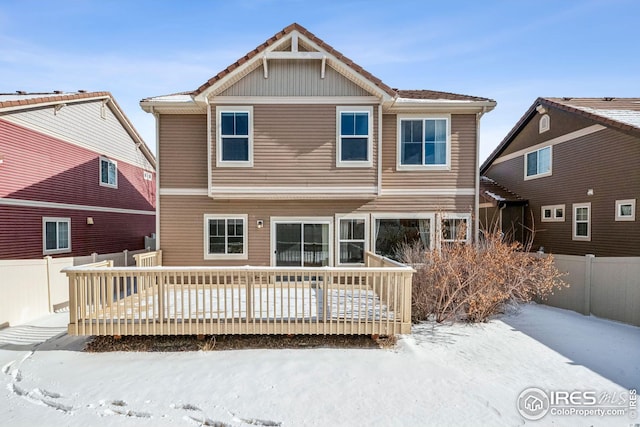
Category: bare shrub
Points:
column 474, row 281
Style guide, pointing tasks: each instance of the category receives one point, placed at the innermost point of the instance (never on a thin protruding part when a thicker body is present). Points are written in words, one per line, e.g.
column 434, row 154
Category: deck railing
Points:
column 148, row 259
column 374, row 299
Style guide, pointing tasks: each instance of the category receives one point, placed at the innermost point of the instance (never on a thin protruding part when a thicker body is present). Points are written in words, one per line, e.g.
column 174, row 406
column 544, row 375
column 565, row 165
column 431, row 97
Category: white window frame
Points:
column 544, row 124
column 340, row 217
column 423, row 117
column 464, row 216
column 301, row 220
column 354, row 163
column 233, row 163
column 619, row 204
column 112, row 162
column 58, row 250
column 554, row 213
column 576, row 206
column 245, row 237
column 402, row 215
column 539, row 175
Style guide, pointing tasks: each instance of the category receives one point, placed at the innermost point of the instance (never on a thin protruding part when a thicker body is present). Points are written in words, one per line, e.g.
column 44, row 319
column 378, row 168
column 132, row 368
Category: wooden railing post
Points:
column 73, row 302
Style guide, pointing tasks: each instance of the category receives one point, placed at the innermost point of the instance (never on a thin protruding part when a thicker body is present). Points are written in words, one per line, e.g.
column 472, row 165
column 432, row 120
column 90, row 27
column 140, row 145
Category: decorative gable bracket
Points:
column 294, row 53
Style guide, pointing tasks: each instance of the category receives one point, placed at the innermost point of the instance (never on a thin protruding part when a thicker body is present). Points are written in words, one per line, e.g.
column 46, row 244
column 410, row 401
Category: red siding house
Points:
column 75, row 176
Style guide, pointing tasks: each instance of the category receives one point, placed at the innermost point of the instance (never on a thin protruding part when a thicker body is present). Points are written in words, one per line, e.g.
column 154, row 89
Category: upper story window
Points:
column 56, row 235
column 234, row 136
column 108, row 172
column 354, row 136
column 544, row 124
column 225, row 236
column 423, row 143
column 538, row 163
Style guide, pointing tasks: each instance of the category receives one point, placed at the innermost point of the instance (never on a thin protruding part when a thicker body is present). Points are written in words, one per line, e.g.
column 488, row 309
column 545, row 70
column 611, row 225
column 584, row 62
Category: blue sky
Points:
column 510, row 51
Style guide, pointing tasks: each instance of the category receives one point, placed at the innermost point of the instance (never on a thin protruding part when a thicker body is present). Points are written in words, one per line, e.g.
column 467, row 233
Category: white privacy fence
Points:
column 607, row 287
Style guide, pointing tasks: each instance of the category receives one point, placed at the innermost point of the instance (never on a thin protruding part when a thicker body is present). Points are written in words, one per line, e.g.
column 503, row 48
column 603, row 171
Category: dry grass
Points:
column 235, row 342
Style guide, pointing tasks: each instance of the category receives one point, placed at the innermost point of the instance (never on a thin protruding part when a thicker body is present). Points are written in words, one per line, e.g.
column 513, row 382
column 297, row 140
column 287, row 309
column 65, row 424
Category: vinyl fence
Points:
column 34, row 287
column 607, row 287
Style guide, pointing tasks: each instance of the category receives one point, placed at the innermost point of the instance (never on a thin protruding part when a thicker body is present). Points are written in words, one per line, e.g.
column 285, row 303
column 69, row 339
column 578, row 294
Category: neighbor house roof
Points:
column 619, row 113
column 497, row 194
column 22, row 100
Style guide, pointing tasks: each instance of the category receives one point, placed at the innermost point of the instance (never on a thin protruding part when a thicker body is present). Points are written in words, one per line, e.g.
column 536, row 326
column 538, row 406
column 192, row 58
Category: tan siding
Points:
column 463, row 162
column 606, row 162
column 182, row 220
column 561, row 123
column 183, row 151
column 294, row 145
column 295, row 78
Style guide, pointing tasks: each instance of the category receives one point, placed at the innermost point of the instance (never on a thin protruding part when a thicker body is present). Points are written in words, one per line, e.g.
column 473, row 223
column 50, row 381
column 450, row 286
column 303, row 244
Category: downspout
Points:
column 477, row 195
column 156, row 115
column 380, row 149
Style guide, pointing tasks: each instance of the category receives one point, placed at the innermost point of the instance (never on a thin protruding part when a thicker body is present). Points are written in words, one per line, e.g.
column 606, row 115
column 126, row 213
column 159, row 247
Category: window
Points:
column 626, row 210
column 351, row 240
column 538, row 163
column 354, row 147
column 545, row 123
column 225, row 237
column 56, row 235
column 455, row 228
column 234, row 136
column 391, row 231
column 108, row 173
column 423, row 143
column 553, row 213
column 582, row 221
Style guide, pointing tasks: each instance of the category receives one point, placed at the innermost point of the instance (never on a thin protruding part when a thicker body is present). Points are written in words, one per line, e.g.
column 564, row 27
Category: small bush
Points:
column 474, row 281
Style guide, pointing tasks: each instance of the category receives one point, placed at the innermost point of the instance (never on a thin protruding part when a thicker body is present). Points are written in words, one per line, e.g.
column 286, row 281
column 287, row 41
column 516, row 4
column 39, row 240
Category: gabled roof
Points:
column 194, row 100
column 497, row 194
column 23, row 100
column 619, row 113
column 281, row 34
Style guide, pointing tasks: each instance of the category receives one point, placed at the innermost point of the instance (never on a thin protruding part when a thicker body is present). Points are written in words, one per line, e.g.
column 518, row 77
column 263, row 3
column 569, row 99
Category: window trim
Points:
column 544, row 124
column 233, row 163
column 354, row 163
column 619, row 204
column 108, row 161
column 57, row 220
column 245, row 237
column 575, row 207
column 340, row 217
column 539, row 175
column 455, row 215
column 422, row 167
column 554, row 217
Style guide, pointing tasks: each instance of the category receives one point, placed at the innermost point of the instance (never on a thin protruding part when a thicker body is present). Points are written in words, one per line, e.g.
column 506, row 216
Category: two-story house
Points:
column 75, row 176
column 575, row 163
column 296, row 156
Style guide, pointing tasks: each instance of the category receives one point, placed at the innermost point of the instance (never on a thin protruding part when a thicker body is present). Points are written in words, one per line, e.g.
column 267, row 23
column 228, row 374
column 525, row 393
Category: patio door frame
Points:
column 301, row 220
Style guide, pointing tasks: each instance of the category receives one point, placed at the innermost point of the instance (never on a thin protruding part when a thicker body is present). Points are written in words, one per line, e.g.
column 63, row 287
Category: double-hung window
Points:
column 354, row 136
column 225, row 236
column 582, row 221
column 108, row 172
column 538, row 163
column 56, row 235
column 352, row 241
column 234, row 136
column 424, row 142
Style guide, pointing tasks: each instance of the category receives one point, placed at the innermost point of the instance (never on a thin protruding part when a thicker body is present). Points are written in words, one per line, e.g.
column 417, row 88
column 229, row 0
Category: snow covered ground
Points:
column 440, row 375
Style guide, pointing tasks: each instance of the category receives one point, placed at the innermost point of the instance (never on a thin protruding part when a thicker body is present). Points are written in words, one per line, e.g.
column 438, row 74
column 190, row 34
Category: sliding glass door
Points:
column 302, row 244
